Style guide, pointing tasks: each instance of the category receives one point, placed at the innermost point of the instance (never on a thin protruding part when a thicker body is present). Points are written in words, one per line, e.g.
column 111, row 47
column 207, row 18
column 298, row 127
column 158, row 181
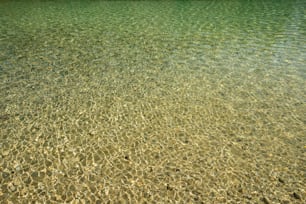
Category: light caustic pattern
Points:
column 152, row 102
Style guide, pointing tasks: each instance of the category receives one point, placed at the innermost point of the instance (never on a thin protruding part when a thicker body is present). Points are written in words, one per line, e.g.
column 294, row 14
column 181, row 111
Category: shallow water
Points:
column 151, row 101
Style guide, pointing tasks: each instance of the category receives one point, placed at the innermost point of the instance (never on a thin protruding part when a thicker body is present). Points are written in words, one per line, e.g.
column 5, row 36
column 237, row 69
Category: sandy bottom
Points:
column 100, row 116
column 171, row 135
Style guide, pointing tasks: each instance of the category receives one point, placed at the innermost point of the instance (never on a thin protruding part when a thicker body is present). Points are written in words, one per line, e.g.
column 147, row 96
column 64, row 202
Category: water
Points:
column 186, row 101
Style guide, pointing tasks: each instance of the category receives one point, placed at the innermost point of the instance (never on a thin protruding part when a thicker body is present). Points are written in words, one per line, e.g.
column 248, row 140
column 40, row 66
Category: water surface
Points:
column 156, row 101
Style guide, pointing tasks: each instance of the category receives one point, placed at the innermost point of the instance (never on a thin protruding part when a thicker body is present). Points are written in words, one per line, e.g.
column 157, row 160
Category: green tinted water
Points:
column 186, row 101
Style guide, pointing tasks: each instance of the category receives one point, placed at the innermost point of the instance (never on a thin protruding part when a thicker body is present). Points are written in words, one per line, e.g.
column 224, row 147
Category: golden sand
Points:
column 91, row 117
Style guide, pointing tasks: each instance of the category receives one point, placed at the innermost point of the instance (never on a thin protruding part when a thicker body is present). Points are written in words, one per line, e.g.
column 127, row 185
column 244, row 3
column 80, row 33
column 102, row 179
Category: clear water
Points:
column 156, row 101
